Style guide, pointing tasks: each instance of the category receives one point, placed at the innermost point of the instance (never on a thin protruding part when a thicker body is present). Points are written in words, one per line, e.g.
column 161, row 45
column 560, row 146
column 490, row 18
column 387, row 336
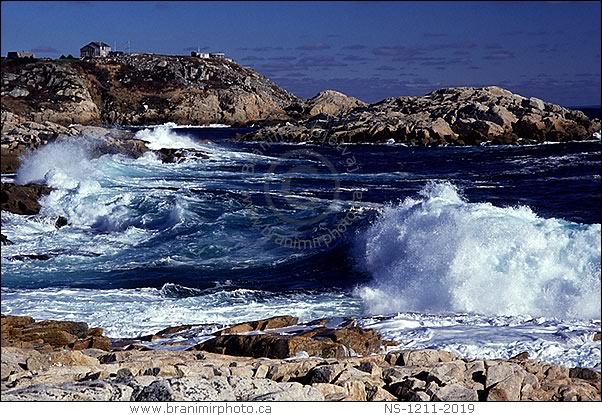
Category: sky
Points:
column 368, row 49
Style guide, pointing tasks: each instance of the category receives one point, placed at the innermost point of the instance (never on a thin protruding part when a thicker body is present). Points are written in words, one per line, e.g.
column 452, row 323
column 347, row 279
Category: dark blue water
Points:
column 268, row 216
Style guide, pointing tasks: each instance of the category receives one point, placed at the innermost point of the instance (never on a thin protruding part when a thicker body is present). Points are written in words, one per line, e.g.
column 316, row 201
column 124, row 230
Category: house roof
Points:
column 97, row 45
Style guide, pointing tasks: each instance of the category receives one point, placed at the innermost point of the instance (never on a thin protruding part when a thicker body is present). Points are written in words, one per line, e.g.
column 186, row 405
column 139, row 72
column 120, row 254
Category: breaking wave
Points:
column 440, row 253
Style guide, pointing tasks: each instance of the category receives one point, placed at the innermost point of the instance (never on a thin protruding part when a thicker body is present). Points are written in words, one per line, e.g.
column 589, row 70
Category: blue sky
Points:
column 371, row 50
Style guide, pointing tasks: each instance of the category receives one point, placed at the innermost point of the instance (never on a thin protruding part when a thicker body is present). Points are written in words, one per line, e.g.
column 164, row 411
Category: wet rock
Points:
column 584, row 373
column 4, row 240
column 324, row 373
column 26, row 257
column 22, row 199
column 355, row 339
column 60, row 222
column 179, row 155
column 260, row 325
column 272, row 346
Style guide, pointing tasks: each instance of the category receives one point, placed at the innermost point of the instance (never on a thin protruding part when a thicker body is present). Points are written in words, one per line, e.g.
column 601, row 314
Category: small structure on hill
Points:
column 20, row 55
column 217, row 55
column 199, row 54
column 95, row 50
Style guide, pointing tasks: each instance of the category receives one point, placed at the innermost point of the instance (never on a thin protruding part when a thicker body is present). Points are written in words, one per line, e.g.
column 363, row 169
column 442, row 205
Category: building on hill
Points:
column 199, row 54
column 95, row 50
column 217, row 55
column 20, row 55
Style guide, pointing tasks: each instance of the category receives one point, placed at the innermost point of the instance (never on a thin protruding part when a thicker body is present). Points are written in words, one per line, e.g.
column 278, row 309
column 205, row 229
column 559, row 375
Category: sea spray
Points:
column 164, row 136
column 441, row 253
column 84, row 188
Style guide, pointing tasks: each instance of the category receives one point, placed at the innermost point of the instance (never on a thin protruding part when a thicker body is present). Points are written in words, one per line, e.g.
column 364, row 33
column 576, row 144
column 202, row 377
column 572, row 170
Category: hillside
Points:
column 140, row 89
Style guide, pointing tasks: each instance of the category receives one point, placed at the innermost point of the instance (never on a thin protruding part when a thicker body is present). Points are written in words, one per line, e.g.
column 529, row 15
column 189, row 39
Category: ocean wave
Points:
column 440, row 253
column 162, row 136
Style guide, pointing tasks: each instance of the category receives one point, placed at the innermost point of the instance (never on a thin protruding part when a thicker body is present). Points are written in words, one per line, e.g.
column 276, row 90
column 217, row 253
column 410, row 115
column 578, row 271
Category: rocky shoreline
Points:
column 275, row 359
column 445, row 117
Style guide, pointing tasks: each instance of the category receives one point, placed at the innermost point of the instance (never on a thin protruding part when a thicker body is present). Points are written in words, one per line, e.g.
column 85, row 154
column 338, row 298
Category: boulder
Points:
column 425, row 357
column 272, row 346
column 22, row 199
column 331, row 103
column 261, row 325
column 23, row 331
column 355, row 339
column 455, row 393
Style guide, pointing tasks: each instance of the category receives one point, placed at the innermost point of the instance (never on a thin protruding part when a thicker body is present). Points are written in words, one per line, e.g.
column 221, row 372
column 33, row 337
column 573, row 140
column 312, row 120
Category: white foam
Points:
column 566, row 342
column 440, row 253
column 134, row 312
column 162, row 136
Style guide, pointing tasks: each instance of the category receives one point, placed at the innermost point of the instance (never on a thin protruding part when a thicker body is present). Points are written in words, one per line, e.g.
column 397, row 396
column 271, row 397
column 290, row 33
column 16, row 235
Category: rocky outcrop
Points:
column 44, row 368
column 22, row 199
column 141, row 90
column 48, row 335
column 451, row 116
column 328, row 102
column 20, row 136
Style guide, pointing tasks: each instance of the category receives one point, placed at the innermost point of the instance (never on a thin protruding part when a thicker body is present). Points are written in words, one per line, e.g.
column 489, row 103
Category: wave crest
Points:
column 441, row 253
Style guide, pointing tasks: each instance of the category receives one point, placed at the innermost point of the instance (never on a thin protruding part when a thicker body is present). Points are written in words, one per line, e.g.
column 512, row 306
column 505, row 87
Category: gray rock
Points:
column 158, row 391
column 201, row 389
column 82, row 391
column 455, row 392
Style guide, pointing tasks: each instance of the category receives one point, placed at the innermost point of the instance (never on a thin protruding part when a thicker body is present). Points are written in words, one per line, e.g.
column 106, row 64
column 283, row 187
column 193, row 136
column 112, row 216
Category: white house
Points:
column 95, row 50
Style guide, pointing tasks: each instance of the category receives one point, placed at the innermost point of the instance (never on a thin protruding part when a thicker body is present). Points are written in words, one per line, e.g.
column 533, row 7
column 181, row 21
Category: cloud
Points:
column 45, row 49
column 499, row 55
column 324, row 61
column 454, row 45
column 547, row 48
column 434, row 35
column 434, row 61
column 354, row 58
column 314, row 46
column 531, row 33
column 386, row 68
column 287, row 64
column 397, row 51
column 355, row 47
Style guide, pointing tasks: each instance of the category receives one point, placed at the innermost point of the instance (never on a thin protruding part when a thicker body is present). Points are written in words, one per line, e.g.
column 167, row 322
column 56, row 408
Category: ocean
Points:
column 486, row 251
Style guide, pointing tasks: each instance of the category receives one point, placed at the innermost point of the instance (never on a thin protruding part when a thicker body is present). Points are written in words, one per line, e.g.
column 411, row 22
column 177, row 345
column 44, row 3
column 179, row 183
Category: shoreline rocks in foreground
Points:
column 450, row 116
column 40, row 362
